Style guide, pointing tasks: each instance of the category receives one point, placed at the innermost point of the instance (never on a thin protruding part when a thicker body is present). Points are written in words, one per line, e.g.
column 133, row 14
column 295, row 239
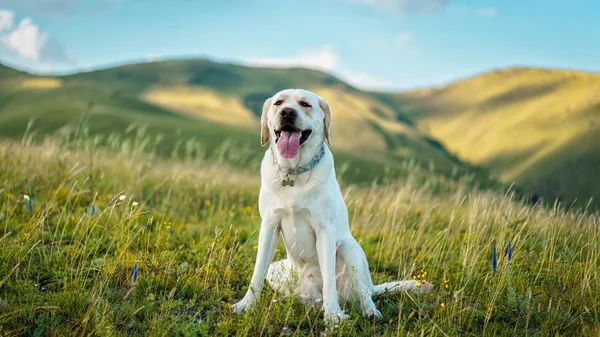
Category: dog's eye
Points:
column 304, row 104
column 278, row 102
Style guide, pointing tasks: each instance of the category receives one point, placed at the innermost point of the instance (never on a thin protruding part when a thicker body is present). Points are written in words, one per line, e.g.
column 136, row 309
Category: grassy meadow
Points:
column 107, row 237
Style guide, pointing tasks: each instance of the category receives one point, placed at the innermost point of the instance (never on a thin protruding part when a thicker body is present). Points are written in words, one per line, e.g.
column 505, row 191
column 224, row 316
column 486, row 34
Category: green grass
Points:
column 193, row 232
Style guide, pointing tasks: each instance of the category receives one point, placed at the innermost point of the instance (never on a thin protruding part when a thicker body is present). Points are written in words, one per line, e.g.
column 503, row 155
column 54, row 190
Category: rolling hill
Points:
column 538, row 128
column 213, row 104
column 233, row 95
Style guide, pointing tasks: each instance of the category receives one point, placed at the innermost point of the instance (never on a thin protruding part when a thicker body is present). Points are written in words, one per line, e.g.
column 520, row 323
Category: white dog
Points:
column 301, row 199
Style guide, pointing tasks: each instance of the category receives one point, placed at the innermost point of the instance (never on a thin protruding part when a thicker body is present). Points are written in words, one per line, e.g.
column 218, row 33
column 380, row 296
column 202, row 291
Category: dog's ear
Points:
column 327, row 119
column 264, row 127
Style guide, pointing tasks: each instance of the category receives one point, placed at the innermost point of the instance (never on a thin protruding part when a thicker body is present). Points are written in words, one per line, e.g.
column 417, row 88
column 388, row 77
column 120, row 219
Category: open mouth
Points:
column 289, row 139
column 290, row 130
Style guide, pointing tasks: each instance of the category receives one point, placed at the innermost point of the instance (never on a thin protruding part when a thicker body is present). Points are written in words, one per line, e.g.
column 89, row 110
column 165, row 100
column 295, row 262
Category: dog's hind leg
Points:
column 353, row 277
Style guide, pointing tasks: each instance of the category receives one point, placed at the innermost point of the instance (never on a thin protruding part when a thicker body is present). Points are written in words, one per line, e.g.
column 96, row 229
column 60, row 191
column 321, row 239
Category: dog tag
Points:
column 287, row 182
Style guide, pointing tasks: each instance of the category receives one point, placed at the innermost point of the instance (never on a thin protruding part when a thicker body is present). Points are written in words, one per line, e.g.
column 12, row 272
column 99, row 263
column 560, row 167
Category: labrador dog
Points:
column 300, row 199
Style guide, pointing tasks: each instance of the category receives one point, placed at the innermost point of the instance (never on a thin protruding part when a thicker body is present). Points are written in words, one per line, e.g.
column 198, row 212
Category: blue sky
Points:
column 378, row 44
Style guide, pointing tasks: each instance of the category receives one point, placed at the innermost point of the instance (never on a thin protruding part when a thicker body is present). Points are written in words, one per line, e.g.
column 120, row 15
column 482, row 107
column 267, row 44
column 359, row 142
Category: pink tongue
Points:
column 288, row 143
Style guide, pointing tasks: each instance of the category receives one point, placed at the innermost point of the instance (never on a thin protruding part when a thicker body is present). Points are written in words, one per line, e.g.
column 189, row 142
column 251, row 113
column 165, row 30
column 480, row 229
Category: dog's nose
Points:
column 288, row 113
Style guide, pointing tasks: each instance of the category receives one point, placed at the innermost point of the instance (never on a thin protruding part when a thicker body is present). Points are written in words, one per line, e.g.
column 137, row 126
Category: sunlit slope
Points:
column 539, row 128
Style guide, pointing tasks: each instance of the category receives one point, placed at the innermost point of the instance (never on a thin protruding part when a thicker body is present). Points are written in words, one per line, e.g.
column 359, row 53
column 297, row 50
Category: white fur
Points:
column 325, row 265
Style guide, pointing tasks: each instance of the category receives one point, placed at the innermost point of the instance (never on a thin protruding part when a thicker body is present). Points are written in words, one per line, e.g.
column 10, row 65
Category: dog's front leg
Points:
column 267, row 241
column 326, row 252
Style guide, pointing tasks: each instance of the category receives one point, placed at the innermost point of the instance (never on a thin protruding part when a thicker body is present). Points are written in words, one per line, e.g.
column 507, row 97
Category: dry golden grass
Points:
column 200, row 102
column 40, row 83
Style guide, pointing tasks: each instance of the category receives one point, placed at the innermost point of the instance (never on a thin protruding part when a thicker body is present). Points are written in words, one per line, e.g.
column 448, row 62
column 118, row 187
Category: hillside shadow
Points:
column 219, row 78
column 520, row 94
column 255, row 101
column 573, row 170
column 397, row 105
column 507, row 160
column 569, row 173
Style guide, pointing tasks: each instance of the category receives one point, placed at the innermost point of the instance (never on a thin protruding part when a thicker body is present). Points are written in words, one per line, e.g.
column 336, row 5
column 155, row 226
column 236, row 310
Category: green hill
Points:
column 213, row 104
column 538, row 128
column 234, row 94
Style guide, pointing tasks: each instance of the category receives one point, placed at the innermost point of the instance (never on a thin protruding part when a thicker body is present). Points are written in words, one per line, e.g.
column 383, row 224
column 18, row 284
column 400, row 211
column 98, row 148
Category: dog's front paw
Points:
column 242, row 306
column 371, row 312
column 335, row 316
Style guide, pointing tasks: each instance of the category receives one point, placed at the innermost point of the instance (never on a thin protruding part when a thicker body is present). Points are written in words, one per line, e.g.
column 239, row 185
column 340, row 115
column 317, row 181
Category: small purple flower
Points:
column 494, row 259
column 93, row 210
column 509, row 252
column 134, row 273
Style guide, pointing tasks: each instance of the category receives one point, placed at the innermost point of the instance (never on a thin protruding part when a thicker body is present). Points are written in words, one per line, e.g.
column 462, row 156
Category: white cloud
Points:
column 405, row 7
column 486, row 12
column 27, row 45
column 6, row 19
column 27, row 40
column 323, row 58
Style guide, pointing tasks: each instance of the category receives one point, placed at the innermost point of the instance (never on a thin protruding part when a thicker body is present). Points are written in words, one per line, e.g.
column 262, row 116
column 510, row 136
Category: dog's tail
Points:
column 399, row 286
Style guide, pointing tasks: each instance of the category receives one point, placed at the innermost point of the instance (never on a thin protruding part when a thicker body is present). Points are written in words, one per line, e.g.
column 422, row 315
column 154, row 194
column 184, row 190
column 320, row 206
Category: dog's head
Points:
column 294, row 117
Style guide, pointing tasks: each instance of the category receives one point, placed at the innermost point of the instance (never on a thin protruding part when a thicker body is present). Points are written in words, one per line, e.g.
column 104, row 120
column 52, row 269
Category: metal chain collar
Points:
column 299, row 170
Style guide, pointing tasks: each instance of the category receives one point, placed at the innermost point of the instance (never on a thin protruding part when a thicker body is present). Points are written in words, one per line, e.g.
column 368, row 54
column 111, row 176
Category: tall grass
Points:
column 106, row 237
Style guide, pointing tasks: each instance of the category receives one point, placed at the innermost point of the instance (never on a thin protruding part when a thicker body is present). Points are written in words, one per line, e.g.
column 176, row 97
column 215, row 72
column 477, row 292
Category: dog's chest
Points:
column 298, row 234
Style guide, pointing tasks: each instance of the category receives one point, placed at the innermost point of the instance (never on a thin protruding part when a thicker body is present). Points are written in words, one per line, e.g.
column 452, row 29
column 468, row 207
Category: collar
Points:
column 299, row 170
